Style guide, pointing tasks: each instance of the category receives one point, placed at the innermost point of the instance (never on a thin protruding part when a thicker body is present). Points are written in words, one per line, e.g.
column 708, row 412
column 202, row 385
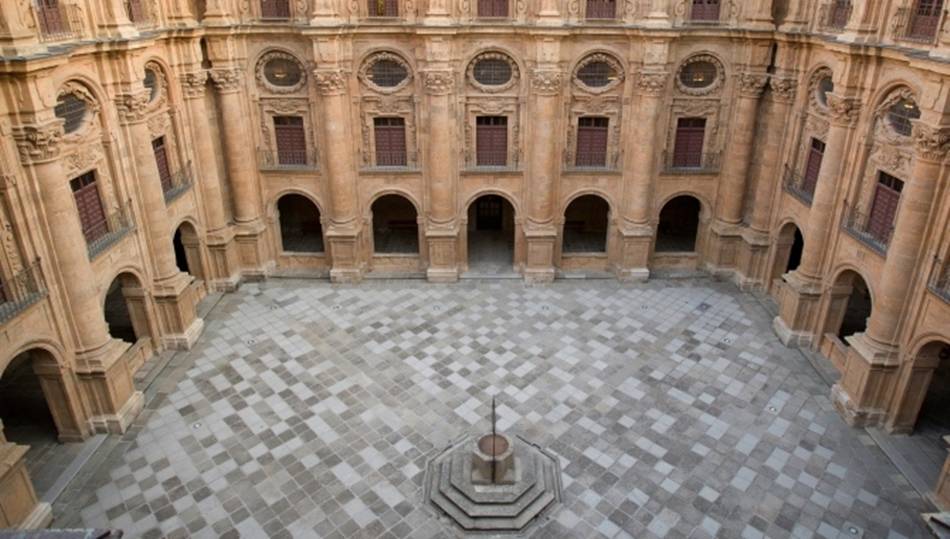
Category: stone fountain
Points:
column 493, row 483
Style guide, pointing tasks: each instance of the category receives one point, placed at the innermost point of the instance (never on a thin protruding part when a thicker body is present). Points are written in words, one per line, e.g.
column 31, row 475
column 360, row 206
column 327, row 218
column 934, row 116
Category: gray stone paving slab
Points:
column 308, row 409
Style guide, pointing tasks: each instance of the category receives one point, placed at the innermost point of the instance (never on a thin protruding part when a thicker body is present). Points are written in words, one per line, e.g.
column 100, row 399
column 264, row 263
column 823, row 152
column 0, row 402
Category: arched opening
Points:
column 934, row 416
column 188, row 251
column 395, row 225
column 795, row 254
column 850, row 306
column 300, row 228
column 678, row 226
column 491, row 235
column 181, row 257
column 788, row 250
column 585, row 225
column 125, row 309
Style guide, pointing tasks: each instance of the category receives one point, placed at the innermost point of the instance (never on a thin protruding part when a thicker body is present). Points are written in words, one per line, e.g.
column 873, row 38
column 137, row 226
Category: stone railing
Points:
column 908, row 25
column 118, row 224
column 940, row 279
column 856, row 223
column 181, row 182
column 834, row 15
column 20, row 291
column 286, row 160
column 708, row 163
column 794, row 184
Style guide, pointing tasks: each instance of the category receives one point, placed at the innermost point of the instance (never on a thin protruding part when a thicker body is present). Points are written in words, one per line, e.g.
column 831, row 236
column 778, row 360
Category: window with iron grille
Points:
column 91, row 215
column 816, row 154
column 840, row 13
column 705, row 10
column 387, row 73
column 491, row 141
column 825, row 87
column 492, row 8
column 492, row 71
column 925, row 19
column 901, row 116
column 275, row 9
column 690, row 137
column 383, row 8
column 151, row 83
column 887, row 196
column 597, row 74
column 390, row 135
column 283, row 72
column 50, row 16
column 591, row 142
column 72, row 109
column 291, row 140
column 161, row 161
column 700, row 74
column 601, row 9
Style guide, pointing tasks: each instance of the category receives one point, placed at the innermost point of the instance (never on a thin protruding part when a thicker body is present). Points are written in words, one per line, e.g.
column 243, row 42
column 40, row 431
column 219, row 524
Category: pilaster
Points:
column 871, row 371
column 19, row 506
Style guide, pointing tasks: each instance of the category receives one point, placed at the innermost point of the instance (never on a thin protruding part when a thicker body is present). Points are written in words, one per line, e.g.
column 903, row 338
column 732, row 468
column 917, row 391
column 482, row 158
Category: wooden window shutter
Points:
column 690, row 137
column 601, row 9
column 591, row 142
column 492, row 8
column 887, row 196
column 91, row 214
column 491, row 141
column 390, row 137
column 813, row 166
column 161, row 161
column 705, row 10
column 925, row 18
column 291, row 140
column 275, row 9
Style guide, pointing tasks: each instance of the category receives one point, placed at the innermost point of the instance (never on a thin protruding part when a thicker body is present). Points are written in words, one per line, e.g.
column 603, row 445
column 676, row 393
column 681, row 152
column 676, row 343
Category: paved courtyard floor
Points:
column 308, row 409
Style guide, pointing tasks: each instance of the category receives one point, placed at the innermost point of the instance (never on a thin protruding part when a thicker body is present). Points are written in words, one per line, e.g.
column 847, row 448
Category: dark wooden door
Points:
column 705, row 10
column 925, row 18
column 291, row 140
column 887, row 197
column 813, row 167
column 161, row 161
column 91, row 214
column 488, row 213
column 591, row 142
column 390, row 142
column 690, row 137
column 491, row 141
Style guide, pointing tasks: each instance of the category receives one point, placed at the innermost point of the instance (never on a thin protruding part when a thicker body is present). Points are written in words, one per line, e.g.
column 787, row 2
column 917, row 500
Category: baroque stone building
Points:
column 156, row 150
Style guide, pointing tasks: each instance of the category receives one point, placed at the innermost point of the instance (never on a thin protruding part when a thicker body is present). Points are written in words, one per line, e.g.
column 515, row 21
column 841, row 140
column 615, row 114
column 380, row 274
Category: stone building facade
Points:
column 155, row 150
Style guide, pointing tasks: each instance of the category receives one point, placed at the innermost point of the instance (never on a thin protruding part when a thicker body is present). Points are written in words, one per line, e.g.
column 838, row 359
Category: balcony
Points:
column 286, row 159
column 181, row 182
column 118, row 224
column 140, row 12
column 275, row 10
column 918, row 26
column 55, row 22
column 795, row 184
column 706, row 163
column 20, row 291
column 940, row 280
column 833, row 16
column 859, row 225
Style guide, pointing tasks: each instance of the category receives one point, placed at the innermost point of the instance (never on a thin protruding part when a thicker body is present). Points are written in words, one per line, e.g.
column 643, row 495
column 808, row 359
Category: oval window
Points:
column 597, row 74
column 492, row 72
column 282, row 72
column 387, row 73
column 151, row 83
column 825, row 87
column 901, row 116
column 701, row 74
column 72, row 109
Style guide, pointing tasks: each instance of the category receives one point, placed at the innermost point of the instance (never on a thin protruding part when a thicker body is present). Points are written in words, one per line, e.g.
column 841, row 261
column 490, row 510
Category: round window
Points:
column 492, row 72
column 282, row 72
column 387, row 73
column 701, row 74
column 151, row 83
column 72, row 110
column 901, row 116
column 825, row 87
column 597, row 74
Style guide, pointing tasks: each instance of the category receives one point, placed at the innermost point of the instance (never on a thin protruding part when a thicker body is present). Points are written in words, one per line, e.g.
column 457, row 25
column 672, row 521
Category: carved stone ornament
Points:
column 713, row 87
column 547, row 82
column 599, row 57
column 843, row 110
column 932, row 143
column 365, row 76
column 652, row 83
column 817, row 125
column 814, row 89
column 329, row 82
column 90, row 120
column 158, row 125
column 132, row 107
column 193, row 84
column 783, row 89
column 226, row 80
column 493, row 55
column 752, row 84
column 39, row 143
column 159, row 98
column 438, row 82
column 891, row 160
column 82, row 160
column 884, row 127
column 261, row 77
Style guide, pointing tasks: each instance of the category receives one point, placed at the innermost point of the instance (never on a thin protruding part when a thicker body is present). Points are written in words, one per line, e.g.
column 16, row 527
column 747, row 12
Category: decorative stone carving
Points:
column 783, row 89
column 752, row 84
column 438, row 82
column 193, row 84
column 713, row 87
column 226, row 80
column 132, row 107
column 364, row 74
column 493, row 55
column 611, row 107
column 931, row 143
column 158, row 125
column 261, row 76
column 652, row 83
column 843, row 110
column 599, row 57
column 39, row 143
column 894, row 161
column 82, row 160
column 813, row 89
column 329, row 82
column 547, row 82
column 817, row 125
column 374, row 106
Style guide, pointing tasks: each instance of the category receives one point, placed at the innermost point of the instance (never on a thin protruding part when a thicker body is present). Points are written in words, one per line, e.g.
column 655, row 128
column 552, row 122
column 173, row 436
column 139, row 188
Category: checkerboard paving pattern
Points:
column 308, row 409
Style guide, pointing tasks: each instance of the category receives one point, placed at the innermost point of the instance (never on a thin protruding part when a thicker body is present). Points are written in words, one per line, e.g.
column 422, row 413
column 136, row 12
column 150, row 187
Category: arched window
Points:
column 385, row 72
column 598, row 72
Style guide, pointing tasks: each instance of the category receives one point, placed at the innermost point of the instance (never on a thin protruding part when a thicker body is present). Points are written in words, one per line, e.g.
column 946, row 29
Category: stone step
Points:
column 507, row 510
column 462, row 472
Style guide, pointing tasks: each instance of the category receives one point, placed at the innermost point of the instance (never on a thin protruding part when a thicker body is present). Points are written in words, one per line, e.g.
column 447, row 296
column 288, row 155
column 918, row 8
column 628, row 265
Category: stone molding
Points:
column 365, row 77
column 330, row 82
column 193, row 84
column 438, row 82
column 599, row 57
column 843, row 111
column 39, row 143
column 752, row 84
column 653, row 83
column 547, row 82
column 494, row 55
column 783, row 89
column 931, row 143
column 226, row 80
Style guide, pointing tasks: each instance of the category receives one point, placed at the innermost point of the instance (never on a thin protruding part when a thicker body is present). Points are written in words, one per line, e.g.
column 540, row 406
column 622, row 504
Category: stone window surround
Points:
column 286, row 106
column 373, row 107
column 272, row 54
column 508, row 106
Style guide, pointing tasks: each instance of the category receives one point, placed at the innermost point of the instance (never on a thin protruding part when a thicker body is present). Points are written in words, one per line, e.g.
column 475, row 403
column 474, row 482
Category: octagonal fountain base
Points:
column 529, row 488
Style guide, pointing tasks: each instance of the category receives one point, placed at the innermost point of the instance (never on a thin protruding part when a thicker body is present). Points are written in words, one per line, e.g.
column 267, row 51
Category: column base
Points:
column 721, row 251
column 19, row 507
column 119, row 422
column 442, row 239
column 798, row 310
column 176, row 299
column 186, row 339
column 540, row 241
column 942, row 490
column 753, row 254
column 442, row 275
column 539, row 275
column 861, row 396
column 105, row 378
column 224, row 275
column 248, row 239
column 39, row 519
column 636, row 245
column 633, row 275
column 789, row 337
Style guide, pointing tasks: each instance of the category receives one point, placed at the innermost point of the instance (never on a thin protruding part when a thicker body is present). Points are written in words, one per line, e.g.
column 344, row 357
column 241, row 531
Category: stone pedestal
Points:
column 249, row 244
column 797, row 311
column 222, row 275
column 540, row 244
column 862, row 394
column 176, row 303
column 19, row 507
column 722, row 246
column 636, row 242
column 343, row 243
column 493, row 460
column 942, row 491
column 752, row 272
column 106, row 381
column 443, row 254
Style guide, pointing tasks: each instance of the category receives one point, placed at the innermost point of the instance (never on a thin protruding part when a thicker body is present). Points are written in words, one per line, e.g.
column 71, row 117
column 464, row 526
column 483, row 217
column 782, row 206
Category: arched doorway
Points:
column 934, row 416
column 395, row 226
column 788, row 250
column 849, row 307
column 678, row 227
column 300, row 228
column 125, row 309
column 585, row 225
column 188, row 250
column 491, row 235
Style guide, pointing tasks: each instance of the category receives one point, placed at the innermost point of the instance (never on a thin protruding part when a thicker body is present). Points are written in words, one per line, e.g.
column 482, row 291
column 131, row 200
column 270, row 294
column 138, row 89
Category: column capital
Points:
column 752, row 84
column 39, row 142
column 932, row 143
column 193, row 84
column 226, row 80
column 783, row 89
column 438, row 82
column 547, row 81
column 330, row 82
column 652, row 83
column 132, row 107
column 843, row 110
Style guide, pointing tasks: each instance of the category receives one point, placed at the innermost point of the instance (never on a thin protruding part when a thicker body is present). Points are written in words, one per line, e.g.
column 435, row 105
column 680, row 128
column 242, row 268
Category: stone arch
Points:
column 125, row 309
column 586, row 226
column 722, row 72
column 509, row 197
column 595, row 54
column 517, row 76
column 849, row 304
column 789, row 243
column 391, row 48
column 678, row 224
column 88, row 91
column 299, row 223
column 395, row 223
column 492, row 228
column 923, row 388
column 188, row 253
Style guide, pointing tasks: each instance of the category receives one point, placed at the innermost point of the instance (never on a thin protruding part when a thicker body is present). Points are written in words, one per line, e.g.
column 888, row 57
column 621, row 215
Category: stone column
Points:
column 100, row 363
column 343, row 232
column 639, row 174
column 724, row 234
column 753, row 251
column 224, row 270
column 242, row 172
column 871, row 370
column 171, row 289
column 544, row 134
column 798, row 308
column 442, row 228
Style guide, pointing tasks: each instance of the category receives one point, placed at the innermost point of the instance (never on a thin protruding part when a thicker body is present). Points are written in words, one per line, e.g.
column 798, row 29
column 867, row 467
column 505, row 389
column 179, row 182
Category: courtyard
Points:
column 309, row 409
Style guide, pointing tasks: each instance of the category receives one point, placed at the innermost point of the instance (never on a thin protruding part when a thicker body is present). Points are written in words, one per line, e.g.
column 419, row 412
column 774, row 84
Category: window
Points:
column 925, row 19
column 491, row 141
column 601, row 9
column 383, row 8
column 887, row 196
column 597, row 74
column 387, row 73
column 591, row 142
column 688, row 149
column 698, row 74
column 283, row 71
column 813, row 166
column 135, row 9
column 492, row 71
column 291, row 140
column 840, row 13
column 161, row 161
column 901, row 116
column 151, row 83
column 705, row 10
column 390, row 142
column 91, row 214
column 51, row 17
column 825, row 87
column 493, row 8
column 275, row 9
column 72, row 109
